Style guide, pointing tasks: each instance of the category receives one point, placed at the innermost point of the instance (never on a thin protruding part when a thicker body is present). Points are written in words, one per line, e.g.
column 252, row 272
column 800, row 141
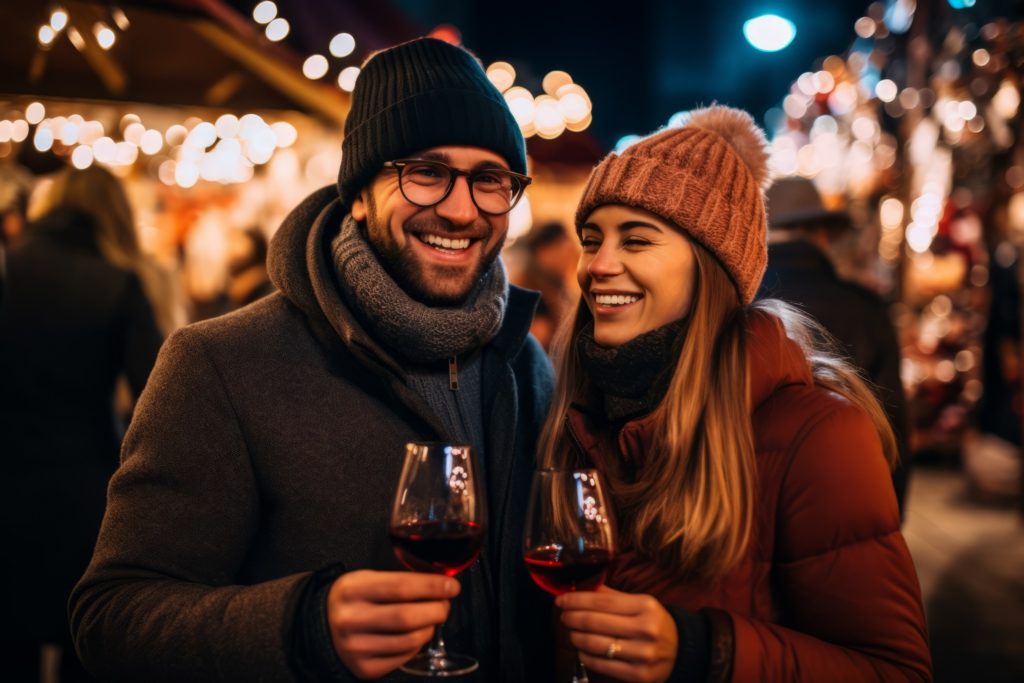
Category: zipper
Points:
column 453, row 374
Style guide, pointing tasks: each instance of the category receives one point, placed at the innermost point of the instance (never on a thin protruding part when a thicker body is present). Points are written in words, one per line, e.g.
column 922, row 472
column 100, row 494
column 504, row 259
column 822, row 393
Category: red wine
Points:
column 437, row 547
column 558, row 571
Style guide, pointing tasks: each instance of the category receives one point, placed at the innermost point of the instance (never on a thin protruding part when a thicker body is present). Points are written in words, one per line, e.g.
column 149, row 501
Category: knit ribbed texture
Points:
column 697, row 179
column 422, row 94
column 407, row 327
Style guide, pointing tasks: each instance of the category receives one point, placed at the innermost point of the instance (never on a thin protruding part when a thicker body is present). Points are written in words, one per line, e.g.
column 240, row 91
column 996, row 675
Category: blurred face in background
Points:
column 636, row 273
column 437, row 253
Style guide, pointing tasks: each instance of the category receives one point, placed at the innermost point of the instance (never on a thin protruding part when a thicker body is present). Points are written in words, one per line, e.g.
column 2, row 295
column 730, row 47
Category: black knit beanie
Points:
column 421, row 94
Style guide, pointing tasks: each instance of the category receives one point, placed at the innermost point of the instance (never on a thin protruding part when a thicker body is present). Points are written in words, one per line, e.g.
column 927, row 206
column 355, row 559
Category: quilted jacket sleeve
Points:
column 847, row 588
column 159, row 601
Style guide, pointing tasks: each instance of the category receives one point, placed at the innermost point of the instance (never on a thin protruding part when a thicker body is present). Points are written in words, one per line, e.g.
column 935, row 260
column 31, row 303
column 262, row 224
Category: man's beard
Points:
column 406, row 270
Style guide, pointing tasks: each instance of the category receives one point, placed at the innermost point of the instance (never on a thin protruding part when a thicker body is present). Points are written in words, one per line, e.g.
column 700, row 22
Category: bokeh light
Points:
column 769, row 32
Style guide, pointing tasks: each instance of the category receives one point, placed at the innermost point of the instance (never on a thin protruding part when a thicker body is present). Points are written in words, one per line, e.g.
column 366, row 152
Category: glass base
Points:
column 440, row 666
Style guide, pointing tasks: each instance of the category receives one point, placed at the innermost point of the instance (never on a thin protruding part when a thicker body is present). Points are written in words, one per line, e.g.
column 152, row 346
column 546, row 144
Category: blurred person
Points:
column 245, row 275
column 800, row 272
column 15, row 187
column 749, row 467
column 72, row 322
column 248, row 279
column 246, row 535
column 550, row 258
column 98, row 193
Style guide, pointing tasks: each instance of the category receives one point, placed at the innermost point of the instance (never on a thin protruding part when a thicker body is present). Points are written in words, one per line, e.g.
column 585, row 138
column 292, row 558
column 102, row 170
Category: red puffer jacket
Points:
column 828, row 591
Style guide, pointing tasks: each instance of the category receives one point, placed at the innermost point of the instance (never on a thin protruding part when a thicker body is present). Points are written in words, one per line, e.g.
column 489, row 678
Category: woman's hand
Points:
column 622, row 635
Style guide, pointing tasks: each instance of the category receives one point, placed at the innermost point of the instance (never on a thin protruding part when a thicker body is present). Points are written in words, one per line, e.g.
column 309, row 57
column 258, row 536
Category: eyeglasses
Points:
column 425, row 183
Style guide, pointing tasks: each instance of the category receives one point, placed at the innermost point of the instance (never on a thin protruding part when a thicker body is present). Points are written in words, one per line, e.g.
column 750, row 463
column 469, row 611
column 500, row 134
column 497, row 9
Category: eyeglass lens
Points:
column 427, row 183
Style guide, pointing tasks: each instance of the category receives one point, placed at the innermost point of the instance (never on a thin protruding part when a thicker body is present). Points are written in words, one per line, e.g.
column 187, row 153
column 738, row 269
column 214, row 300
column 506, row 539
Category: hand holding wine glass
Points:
column 437, row 526
column 569, row 541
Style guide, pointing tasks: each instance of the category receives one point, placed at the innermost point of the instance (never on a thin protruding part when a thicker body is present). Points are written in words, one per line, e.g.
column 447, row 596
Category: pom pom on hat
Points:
column 707, row 177
column 738, row 128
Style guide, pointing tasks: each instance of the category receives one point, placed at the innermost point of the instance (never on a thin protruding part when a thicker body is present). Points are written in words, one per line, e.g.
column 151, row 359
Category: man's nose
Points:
column 458, row 206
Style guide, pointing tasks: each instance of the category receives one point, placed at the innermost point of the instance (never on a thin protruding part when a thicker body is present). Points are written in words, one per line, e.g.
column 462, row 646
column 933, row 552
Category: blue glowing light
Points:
column 769, row 32
column 625, row 141
column 961, row 4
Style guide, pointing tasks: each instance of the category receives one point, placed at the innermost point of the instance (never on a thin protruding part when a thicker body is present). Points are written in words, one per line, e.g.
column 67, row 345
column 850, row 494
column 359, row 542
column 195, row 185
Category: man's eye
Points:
column 423, row 171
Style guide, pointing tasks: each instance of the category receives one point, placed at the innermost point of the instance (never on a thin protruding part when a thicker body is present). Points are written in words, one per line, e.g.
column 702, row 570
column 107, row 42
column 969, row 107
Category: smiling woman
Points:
column 636, row 273
column 749, row 466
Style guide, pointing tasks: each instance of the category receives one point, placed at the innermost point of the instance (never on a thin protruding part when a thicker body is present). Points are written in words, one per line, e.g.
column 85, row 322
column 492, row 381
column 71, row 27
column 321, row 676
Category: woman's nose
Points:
column 605, row 262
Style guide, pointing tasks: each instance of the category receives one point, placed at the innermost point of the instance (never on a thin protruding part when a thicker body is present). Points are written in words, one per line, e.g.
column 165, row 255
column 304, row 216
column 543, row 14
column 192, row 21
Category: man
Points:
column 800, row 272
column 246, row 533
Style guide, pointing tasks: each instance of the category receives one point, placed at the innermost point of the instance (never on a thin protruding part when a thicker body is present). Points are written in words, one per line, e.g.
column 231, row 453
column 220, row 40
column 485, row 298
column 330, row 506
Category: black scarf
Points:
column 633, row 377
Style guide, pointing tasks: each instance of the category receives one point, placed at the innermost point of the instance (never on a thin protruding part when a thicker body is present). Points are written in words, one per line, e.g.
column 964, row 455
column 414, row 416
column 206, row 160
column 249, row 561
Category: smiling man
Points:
column 246, row 530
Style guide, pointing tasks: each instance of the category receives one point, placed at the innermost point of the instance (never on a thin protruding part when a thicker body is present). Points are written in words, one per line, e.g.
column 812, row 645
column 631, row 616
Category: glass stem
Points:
column 435, row 648
column 579, row 674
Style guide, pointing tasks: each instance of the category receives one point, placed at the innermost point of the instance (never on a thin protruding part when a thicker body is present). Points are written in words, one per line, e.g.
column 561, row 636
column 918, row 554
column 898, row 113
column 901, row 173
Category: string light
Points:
column 46, row 35
column 563, row 106
column 35, row 112
column 347, row 78
column 105, row 36
column 315, row 67
column 342, row 45
column 277, row 29
column 59, row 19
column 264, row 12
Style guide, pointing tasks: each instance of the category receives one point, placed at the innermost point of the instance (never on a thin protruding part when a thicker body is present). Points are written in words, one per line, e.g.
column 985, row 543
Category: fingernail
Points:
column 559, row 601
column 451, row 587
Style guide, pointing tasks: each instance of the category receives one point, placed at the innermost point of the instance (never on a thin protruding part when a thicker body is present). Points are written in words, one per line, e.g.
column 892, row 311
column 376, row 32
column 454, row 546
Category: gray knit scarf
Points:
column 417, row 332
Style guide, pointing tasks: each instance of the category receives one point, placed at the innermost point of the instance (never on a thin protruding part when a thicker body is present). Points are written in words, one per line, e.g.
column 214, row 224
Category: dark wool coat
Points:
column 828, row 591
column 268, row 445
column 71, row 323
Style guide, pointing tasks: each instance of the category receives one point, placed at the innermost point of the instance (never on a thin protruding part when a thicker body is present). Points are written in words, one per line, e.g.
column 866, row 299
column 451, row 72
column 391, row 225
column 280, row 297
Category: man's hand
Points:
column 636, row 630
column 379, row 620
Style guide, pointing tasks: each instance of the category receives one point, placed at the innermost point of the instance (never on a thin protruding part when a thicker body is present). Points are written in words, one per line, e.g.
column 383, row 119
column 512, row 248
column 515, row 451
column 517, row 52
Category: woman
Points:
column 73, row 320
column 759, row 532
column 97, row 193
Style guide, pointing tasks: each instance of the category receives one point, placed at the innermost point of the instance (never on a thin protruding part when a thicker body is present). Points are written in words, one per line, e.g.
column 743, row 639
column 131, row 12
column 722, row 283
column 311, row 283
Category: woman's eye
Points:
column 590, row 243
column 634, row 242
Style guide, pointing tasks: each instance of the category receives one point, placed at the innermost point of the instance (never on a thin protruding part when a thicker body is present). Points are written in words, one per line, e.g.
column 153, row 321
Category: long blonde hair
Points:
column 691, row 507
column 96, row 192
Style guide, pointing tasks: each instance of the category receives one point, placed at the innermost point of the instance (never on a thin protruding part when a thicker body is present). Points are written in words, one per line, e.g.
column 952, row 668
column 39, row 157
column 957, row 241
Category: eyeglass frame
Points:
column 455, row 173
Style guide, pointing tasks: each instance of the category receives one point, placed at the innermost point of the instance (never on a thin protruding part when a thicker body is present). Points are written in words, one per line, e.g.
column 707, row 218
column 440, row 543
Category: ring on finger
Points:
column 614, row 648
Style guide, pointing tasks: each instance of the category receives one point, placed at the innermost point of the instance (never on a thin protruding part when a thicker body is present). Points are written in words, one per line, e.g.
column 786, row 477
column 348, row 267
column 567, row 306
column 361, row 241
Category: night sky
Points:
column 639, row 60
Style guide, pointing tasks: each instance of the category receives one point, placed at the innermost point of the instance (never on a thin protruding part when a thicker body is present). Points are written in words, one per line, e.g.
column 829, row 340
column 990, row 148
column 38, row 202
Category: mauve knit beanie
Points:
column 707, row 177
column 421, row 94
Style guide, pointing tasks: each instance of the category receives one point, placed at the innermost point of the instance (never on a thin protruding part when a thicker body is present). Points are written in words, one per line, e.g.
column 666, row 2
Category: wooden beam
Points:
column 315, row 97
column 101, row 61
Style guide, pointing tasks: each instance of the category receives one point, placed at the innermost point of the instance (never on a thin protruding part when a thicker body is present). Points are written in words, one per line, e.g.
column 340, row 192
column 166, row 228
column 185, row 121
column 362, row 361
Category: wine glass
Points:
column 437, row 525
column 569, row 541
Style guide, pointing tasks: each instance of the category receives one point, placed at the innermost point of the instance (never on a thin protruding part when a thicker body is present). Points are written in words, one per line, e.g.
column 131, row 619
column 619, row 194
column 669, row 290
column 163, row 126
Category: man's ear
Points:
column 358, row 209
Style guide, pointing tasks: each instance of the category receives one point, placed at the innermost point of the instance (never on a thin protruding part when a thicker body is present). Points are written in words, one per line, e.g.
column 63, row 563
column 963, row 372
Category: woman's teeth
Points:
column 446, row 243
column 615, row 299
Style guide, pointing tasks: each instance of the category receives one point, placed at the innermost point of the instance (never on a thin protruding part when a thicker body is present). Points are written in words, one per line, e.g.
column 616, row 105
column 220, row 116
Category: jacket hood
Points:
column 773, row 359
column 287, row 258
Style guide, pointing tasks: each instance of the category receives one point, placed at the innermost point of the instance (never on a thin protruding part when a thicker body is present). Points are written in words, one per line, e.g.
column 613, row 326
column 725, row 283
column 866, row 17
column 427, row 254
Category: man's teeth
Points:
column 445, row 243
column 615, row 299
